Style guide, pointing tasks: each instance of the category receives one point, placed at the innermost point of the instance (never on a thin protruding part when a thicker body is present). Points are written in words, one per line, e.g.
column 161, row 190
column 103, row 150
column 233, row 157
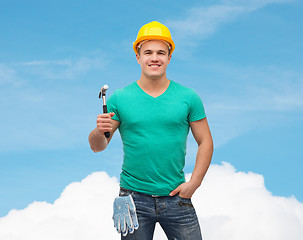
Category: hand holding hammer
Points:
column 102, row 94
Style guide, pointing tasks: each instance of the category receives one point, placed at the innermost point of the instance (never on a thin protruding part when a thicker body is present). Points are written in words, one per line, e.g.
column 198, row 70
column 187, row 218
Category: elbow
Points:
column 211, row 147
column 207, row 145
column 96, row 150
column 97, row 144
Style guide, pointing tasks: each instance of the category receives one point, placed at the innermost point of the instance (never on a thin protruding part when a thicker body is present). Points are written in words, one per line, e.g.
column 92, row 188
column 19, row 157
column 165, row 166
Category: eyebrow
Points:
column 159, row 51
column 163, row 51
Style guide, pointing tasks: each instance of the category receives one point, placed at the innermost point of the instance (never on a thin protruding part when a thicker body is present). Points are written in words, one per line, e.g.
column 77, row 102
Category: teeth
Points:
column 154, row 65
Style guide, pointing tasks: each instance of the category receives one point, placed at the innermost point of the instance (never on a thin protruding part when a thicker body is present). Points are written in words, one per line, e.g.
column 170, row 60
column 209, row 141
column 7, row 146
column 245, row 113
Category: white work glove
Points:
column 125, row 217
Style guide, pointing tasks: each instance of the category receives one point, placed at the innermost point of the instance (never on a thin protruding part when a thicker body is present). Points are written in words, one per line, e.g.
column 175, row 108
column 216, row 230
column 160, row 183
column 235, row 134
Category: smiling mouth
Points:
column 154, row 65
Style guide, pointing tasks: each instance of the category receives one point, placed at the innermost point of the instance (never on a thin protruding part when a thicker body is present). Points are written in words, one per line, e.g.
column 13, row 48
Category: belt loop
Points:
column 155, row 196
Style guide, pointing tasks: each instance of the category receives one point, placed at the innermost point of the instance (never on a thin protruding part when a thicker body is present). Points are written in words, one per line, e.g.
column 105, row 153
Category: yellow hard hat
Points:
column 154, row 31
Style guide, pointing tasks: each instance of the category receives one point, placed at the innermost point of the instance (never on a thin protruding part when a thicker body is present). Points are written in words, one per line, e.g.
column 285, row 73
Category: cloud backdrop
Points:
column 229, row 204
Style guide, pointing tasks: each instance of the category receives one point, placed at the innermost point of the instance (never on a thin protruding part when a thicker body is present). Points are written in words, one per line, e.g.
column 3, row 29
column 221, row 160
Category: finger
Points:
column 123, row 224
column 129, row 222
column 104, row 125
column 114, row 218
column 174, row 192
column 104, row 118
column 104, row 121
column 135, row 220
column 117, row 223
column 124, row 233
column 105, row 115
column 131, row 203
column 132, row 211
column 102, row 129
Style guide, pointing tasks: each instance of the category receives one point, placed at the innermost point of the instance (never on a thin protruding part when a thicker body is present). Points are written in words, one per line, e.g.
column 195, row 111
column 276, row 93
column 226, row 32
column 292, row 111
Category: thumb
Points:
column 111, row 114
column 174, row 192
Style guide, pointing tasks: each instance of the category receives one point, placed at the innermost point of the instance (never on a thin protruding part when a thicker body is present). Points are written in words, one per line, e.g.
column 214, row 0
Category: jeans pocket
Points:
column 188, row 199
column 185, row 202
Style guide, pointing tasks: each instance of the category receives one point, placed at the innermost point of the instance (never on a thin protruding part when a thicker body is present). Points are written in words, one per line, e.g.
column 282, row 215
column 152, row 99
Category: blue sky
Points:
column 244, row 58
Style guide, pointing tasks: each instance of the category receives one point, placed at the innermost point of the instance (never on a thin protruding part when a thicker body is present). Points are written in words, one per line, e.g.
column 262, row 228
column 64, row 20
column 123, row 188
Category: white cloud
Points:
column 253, row 97
column 201, row 22
column 7, row 75
column 236, row 205
column 254, row 3
column 230, row 205
column 64, row 68
column 83, row 211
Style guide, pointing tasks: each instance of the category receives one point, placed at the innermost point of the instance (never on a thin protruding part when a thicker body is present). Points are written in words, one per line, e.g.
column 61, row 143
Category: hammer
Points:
column 102, row 93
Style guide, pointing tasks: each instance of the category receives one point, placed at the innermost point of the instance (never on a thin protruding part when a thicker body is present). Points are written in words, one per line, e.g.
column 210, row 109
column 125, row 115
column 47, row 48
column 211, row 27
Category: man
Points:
column 154, row 115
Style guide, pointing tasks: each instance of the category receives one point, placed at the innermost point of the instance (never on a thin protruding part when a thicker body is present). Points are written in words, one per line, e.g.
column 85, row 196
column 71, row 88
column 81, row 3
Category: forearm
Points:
column 203, row 159
column 97, row 141
column 204, row 155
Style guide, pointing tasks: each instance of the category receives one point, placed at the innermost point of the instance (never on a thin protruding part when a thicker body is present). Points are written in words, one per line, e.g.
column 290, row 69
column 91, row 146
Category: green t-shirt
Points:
column 154, row 133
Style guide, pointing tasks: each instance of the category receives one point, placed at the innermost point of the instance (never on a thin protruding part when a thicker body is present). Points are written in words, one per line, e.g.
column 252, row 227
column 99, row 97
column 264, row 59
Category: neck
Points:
column 153, row 84
column 153, row 87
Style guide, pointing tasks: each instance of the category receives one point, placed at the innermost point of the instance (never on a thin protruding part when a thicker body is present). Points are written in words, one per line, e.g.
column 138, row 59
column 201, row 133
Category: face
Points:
column 153, row 59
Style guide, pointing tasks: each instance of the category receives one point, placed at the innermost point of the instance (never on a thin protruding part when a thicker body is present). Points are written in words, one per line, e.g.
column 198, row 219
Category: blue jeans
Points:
column 176, row 216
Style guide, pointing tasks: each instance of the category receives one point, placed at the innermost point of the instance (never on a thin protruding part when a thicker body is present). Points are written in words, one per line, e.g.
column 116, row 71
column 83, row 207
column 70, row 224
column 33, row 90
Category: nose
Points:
column 154, row 57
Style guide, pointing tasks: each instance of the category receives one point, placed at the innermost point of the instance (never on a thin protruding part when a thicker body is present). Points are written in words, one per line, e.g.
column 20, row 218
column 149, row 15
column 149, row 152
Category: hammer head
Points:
column 103, row 91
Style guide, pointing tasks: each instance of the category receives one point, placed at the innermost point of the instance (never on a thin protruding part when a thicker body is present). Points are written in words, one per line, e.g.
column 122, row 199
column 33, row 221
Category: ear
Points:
column 169, row 58
column 137, row 57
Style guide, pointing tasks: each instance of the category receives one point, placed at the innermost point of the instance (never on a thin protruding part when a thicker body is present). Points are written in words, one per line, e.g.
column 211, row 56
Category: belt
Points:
column 126, row 190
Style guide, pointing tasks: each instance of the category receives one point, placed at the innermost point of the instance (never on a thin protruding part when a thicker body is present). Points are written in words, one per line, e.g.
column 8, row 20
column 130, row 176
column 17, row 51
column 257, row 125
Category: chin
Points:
column 155, row 77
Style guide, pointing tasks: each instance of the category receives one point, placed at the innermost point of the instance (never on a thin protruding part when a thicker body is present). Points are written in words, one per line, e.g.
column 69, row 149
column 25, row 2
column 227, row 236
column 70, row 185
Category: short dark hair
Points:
column 139, row 47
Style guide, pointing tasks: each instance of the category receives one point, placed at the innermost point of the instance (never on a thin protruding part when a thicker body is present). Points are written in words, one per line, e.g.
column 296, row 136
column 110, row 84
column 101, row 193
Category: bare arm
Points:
column 98, row 142
column 204, row 140
column 202, row 135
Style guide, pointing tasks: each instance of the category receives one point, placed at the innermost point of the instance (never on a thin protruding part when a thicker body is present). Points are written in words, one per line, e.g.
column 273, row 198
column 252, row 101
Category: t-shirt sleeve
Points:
column 197, row 111
column 112, row 106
